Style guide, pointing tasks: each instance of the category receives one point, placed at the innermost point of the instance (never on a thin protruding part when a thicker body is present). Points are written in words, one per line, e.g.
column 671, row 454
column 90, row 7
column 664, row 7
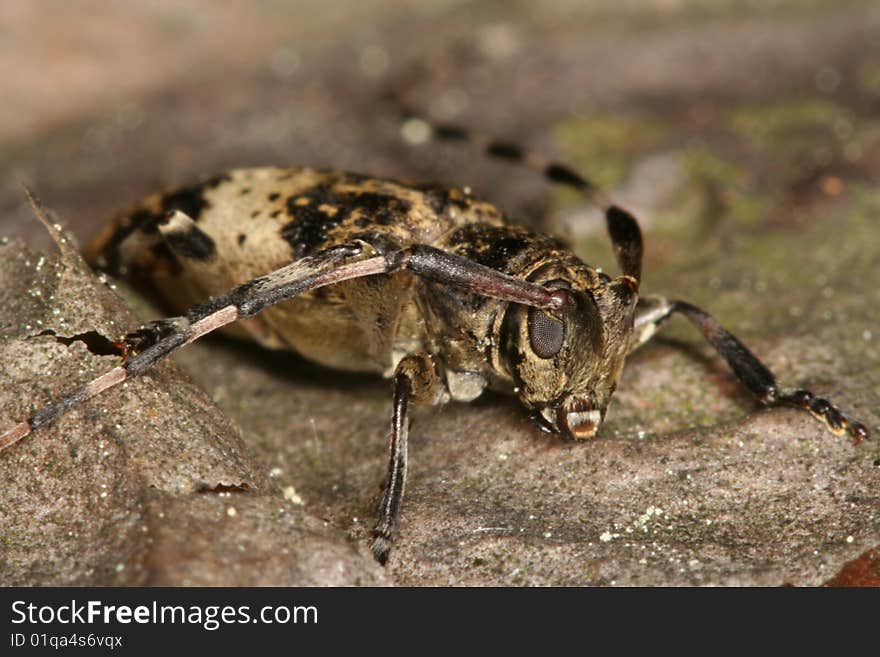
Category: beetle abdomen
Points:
column 249, row 222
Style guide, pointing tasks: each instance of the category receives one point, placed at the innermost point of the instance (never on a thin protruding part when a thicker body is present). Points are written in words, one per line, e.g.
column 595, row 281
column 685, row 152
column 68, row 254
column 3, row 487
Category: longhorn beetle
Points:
column 424, row 284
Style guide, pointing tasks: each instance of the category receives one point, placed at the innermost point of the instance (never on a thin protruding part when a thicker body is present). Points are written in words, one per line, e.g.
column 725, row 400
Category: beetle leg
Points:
column 415, row 380
column 757, row 377
column 246, row 300
column 651, row 312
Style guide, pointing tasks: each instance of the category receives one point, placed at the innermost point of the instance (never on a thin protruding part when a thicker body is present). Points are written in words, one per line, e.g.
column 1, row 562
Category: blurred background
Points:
column 744, row 134
column 734, row 112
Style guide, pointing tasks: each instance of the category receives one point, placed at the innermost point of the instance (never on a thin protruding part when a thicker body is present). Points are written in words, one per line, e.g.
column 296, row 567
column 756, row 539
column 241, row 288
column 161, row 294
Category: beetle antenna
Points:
column 623, row 228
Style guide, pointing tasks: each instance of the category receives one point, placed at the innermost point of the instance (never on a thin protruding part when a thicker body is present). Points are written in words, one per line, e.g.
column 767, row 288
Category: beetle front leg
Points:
column 415, row 380
column 652, row 312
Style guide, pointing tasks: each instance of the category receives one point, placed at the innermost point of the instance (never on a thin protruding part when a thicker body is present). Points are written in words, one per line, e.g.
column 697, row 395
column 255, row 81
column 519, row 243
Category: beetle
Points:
column 425, row 284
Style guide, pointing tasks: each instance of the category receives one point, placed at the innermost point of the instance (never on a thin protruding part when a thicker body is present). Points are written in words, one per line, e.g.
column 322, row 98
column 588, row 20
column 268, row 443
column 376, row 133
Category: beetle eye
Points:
column 545, row 333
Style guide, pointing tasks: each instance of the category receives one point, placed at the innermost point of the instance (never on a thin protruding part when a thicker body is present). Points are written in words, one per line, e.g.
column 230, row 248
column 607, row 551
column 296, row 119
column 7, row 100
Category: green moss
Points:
column 718, row 188
column 797, row 134
column 778, row 122
column 776, row 281
column 869, row 78
column 604, row 146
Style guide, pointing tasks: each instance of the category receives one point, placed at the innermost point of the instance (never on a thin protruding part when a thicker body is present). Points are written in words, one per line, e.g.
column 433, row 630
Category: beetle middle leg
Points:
column 653, row 311
column 416, row 379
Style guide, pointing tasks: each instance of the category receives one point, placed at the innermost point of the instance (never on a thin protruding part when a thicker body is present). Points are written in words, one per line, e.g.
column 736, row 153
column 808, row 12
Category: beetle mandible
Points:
column 424, row 284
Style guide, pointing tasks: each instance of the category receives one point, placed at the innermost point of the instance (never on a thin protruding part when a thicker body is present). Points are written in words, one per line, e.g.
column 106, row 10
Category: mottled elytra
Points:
column 424, row 284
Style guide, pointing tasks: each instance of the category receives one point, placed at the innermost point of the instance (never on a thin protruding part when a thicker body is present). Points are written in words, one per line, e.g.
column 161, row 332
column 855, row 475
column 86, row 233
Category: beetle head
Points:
column 566, row 363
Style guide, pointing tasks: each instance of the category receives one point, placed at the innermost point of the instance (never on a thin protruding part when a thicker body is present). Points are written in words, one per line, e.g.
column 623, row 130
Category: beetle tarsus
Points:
column 380, row 547
column 652, row 312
